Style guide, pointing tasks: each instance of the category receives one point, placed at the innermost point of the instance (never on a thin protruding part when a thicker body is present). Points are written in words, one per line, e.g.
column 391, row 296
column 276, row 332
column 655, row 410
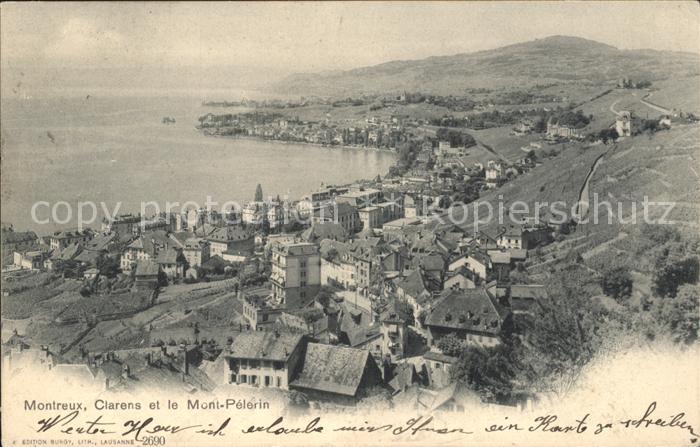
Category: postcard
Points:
column 363, row 223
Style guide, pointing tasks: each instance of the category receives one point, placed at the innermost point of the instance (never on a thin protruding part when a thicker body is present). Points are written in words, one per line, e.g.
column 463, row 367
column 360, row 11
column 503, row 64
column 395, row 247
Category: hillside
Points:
column 556, row 59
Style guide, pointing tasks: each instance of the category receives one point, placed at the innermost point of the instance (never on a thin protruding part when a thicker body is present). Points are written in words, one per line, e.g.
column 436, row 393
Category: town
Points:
column 373, row 293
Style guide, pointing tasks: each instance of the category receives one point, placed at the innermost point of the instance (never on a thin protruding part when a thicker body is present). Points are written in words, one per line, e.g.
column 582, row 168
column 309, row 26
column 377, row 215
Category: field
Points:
column 556, row 179
column 662, row 168
column 681, row 94
column 507, row 146
column 28, row 292
column 35, row 300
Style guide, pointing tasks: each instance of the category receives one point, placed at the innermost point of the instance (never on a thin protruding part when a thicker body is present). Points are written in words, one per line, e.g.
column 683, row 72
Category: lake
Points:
column 115, row 149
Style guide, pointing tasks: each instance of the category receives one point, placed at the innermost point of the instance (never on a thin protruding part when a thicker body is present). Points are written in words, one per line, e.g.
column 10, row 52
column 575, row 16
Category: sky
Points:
column 137, row 48
column 323, row 36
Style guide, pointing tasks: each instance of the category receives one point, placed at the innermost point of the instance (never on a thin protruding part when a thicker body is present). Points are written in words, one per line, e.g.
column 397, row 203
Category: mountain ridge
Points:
column 550, row 59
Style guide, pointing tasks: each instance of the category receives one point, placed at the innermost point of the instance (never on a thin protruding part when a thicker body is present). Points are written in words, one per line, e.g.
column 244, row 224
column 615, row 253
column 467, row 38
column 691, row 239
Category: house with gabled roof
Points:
column 146, row 274
column 172, row 262
column 476, row 260
column 414, row 290
column 438, row 368
column 462, row 278
column 488, row 238
column 145, row 247
column 326, row 230
column 473, row 315
column 404, row 376
column 523, row 297
column 61, row 239
column 229, row 238
column 455, row 398
column 337, row 374
column 264, row 359
column 394, row 328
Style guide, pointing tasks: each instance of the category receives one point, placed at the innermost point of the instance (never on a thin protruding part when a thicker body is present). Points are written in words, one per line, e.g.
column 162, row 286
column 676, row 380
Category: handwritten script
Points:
column 77, row 423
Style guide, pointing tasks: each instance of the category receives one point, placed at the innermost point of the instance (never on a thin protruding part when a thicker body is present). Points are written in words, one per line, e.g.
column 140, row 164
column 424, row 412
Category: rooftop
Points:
column 471, row 309
column 334, row 369
column 277, row 346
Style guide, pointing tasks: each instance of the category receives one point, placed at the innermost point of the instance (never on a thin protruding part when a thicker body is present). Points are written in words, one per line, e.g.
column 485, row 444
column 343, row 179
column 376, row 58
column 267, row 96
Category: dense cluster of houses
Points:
column 375, row 131
column 343, row 296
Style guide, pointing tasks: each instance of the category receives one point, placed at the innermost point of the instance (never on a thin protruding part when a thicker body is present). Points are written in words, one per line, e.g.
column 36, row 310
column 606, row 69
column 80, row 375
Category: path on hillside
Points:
column 491, row 150
column 583, row 204
column 602, row 247
column 612, row 107
column 656, row 107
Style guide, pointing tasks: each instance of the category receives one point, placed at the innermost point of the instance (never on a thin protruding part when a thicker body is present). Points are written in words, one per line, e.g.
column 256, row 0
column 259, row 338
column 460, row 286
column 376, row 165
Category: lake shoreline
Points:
column 299, row 143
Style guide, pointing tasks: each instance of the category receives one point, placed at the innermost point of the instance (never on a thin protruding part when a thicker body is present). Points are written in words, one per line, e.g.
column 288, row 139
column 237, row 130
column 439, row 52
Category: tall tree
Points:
column 258, row 193
column 679, row 314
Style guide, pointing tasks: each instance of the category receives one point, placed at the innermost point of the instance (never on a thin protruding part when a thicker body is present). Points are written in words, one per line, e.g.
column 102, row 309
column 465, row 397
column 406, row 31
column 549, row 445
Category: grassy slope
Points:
column 555, row 59
column 663, row 168
column 683, row 94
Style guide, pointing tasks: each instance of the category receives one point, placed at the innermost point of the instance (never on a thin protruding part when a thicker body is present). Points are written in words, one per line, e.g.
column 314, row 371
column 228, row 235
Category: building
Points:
column 264, row 359
column 11, row 240
column 277, row 215
column 61, row 239
column 524, row 126
column 556, row 130
column 171, row 262
column 456, row 398
column 337, row 374
column 523, row 237
column 124, row 224
column 342, row 213
column 371, row 217
column 146, row 274
column 476, row 261
column 523, row 297
column 394, row 330
column 196, row 251
column 412, row 207
column 195, row 219
column 254, row 213
column 29, row 260
column 338, row 271
column 665, row 121
column 230, row 238
column 258, row 309
column 360, row 198
column 69, row 253
column 461, row 278
column 296, row 273
column 473, row 315
column 395, row 228
column 494, row 172
column 501, row 263
column 623, row 124
column 145, row 247
column 322, row 231
column 438, row 368
column 511, row 238
column 416, row 292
